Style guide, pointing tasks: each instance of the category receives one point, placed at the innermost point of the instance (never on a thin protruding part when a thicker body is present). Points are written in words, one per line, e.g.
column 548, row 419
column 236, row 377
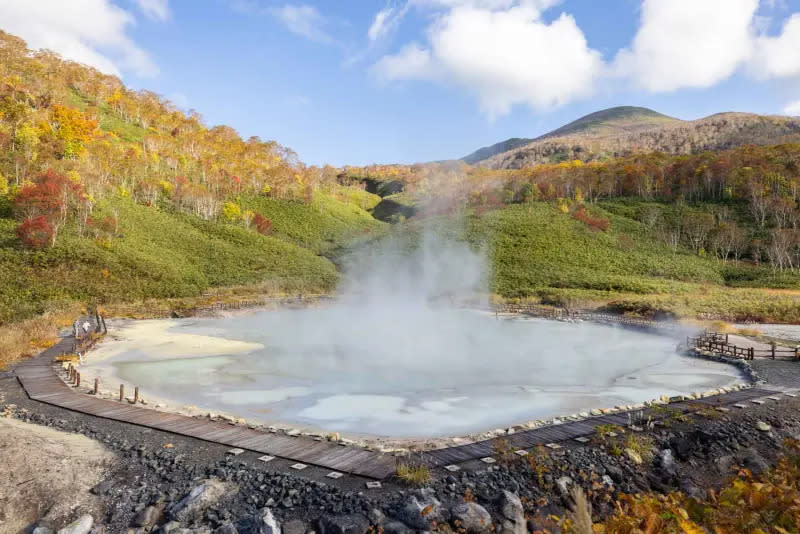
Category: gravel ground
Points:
column 161, row 482
column 786, row 332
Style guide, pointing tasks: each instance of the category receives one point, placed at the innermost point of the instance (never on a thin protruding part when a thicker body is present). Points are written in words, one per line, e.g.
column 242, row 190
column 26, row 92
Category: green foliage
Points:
column 325, row 225
column 157, row 255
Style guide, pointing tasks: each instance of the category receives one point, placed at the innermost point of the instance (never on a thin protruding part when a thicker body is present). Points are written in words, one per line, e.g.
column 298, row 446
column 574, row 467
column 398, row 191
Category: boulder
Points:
column 147, row 517
column 513, row 514
column 471, row 517
column 762, row 426
column 344, row 524
column 40, row 529
column 667, row 461
column 196, row 501
column 228, row 528
column 421, row 511
column 562, row 485
column 752, row 460
column 396, row 527
column 82, row 525
column 266, row 523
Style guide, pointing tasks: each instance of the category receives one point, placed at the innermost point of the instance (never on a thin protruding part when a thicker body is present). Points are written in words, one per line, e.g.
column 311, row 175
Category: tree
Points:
column 696, row 227
column 52, row 197
column 36, row 233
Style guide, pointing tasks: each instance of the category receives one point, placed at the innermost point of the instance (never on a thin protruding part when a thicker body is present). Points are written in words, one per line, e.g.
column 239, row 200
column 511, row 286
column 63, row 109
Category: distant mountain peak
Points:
column 624, row 130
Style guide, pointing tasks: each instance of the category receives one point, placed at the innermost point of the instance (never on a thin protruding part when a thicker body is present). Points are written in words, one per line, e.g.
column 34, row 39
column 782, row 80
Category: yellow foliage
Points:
column 231, row 212
column 74, row 177
column 3, row 185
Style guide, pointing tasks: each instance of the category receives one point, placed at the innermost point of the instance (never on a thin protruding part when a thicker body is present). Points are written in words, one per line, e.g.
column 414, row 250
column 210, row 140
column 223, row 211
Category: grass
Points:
column 27, row 337
column 538, row 253
column 324, row 226
column 158, row 255
column 414, row 475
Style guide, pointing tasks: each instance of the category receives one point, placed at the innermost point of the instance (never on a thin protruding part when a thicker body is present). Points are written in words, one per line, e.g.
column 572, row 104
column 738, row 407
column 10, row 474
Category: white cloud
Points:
column 688, row 43
column 779, row 56
column 304, row 20
column 385, row 22
column 503, row 52
column 792, row 108
column 180, row 100
column 88, row 31
column 155, row 9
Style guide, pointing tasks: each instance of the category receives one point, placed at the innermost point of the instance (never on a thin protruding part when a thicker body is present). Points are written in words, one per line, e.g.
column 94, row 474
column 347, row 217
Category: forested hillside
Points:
column 109, row 194
column 627, row 130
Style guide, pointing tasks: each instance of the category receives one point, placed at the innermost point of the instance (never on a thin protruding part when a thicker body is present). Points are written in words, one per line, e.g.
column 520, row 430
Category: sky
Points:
column 402, row 81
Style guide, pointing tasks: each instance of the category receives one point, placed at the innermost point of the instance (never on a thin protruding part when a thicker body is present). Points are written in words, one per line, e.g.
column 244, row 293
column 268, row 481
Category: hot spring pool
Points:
column 415, row 372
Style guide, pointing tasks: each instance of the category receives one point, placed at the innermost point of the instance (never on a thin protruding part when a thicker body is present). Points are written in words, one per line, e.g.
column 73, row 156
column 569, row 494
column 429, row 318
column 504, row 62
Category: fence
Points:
column 717, row 343
column 547, row 312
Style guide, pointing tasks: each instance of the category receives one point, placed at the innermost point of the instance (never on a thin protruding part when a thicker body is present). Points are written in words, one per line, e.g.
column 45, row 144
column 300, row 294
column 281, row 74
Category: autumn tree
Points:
column 50, row 198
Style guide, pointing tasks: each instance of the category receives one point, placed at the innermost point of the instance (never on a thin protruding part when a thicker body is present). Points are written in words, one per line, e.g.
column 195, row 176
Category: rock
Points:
column 147, row 517
column 762, row 426
column 471, row 517
column 562, row 485
column 197, row 500
column 229, row 528
column 513, row 514
column 82, row 525
column 420, row 512
column 43, row 530
column 295, row 526
column 752, row 460
column 267, row 524
column 667, row 462
column 633, row 456
column 344, row 524
column 169, row 528
column 396, row 527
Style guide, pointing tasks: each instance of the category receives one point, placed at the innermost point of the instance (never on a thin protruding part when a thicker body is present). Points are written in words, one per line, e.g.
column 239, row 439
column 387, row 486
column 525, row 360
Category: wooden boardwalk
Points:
column 40, row 381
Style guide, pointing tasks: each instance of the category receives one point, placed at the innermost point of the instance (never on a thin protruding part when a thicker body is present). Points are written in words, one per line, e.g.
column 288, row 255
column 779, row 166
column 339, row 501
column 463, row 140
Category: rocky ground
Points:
column 159, row 482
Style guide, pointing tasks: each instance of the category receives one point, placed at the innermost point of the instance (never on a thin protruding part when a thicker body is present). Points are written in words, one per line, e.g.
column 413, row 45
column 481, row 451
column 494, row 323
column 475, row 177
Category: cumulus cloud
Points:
column 792, row 108
column 304, row 20
column 779, row 56
column 93, row 32
column 155, row 9
column 503, row 52
column 688, row 43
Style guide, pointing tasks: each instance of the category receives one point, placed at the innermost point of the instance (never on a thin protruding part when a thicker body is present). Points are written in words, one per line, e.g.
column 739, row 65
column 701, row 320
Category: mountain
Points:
column 626, row 130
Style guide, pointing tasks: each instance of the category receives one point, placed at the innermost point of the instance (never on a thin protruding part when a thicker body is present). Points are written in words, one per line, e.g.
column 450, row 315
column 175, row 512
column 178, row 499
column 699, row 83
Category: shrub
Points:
column 414, row 475
column 36, row 232
column 595, row 223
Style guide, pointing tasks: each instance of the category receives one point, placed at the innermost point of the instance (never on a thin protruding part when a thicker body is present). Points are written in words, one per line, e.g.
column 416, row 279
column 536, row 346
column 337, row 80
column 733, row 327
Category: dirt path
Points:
column 46, row 473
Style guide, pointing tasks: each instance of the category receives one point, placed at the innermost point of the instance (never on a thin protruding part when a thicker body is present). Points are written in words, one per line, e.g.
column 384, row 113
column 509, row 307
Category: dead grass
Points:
column 26, row 338
column 414, row 475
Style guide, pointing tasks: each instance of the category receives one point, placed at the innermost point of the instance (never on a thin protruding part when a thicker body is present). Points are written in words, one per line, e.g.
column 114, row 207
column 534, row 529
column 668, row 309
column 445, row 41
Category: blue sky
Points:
column 439, row 78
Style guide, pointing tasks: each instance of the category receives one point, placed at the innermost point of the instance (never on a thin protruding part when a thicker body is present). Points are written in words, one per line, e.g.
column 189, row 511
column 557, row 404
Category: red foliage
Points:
column 262, row 224
column 595, row 223
column 35, row 233
column 47, row 196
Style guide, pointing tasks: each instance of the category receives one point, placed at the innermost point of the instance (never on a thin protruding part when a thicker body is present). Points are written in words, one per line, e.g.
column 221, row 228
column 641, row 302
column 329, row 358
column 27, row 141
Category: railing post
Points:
column 136, row 394
column 772, row 346
column 121, row 392
column 77, row 379
column 96, row 385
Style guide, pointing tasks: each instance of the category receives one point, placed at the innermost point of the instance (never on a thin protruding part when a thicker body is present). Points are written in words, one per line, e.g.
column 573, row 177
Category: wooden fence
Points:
column 548, row 312
column 717, row 343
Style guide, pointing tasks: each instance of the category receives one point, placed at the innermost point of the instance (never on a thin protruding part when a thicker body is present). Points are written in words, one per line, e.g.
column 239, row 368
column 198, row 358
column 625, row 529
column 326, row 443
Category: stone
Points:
column 553, row 446
column 196, row 501
column 266, row 523
column 562, row 485
column 43, row 530
column 667, row 461
column 344, row 524
column 762, row 426
column 373, row 484
column 513, row 514
column 229, row 528
column 582, row 439
column 488, row 460
column 234, row 452
column 595, row 412
column 521, row 452
column 298, row 466
column 334, row 475
column 82, row 525
column 452, row 468
column 633, row 456
column 471, row 517
column 396, row 527
column 266, row 458
column 421, row 511
column 295, row 526
column 750, row 458
column 147, row 517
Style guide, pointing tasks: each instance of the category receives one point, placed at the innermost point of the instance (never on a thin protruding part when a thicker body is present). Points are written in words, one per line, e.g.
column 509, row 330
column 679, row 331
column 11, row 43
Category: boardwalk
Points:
column 40, row 381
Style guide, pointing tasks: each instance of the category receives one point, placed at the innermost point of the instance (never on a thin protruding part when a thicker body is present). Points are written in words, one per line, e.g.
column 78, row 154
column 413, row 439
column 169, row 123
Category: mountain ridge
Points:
column 626, row 130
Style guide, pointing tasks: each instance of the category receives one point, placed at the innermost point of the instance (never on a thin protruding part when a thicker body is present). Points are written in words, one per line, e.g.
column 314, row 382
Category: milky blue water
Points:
column 410, row 372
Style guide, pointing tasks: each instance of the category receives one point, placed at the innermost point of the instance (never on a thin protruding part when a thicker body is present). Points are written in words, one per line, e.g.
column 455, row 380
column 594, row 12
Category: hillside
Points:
column 622, row 131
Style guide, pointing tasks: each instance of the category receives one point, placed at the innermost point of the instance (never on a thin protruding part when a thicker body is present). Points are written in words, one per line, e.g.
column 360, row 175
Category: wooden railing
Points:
column 717, row 343
column 548, row 312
